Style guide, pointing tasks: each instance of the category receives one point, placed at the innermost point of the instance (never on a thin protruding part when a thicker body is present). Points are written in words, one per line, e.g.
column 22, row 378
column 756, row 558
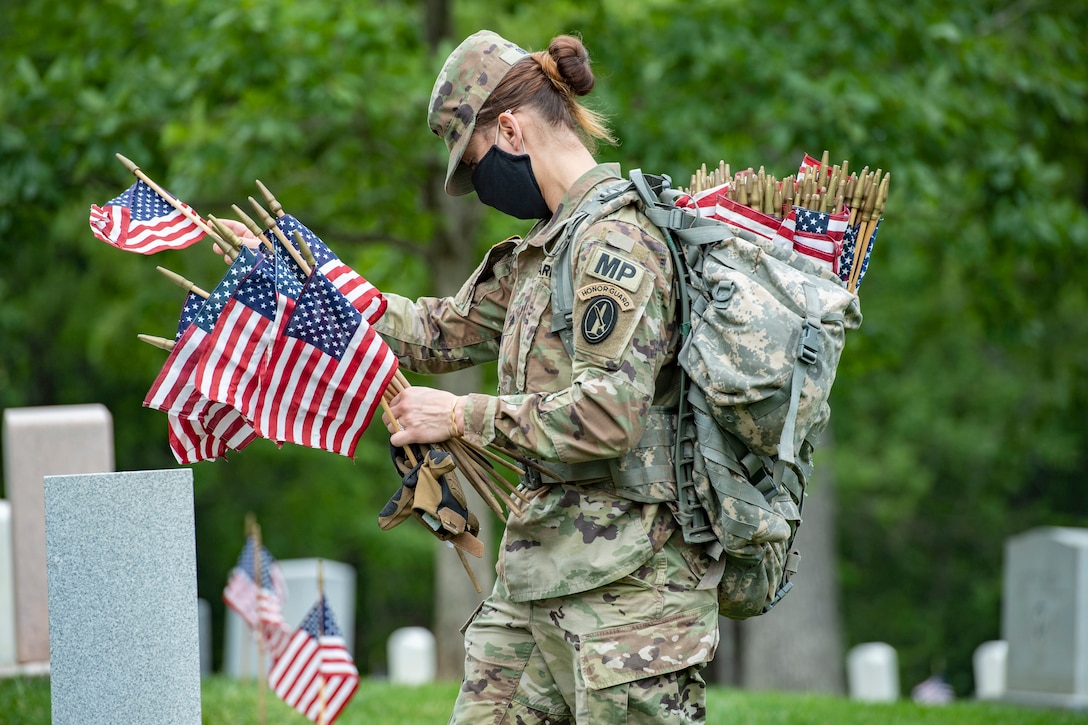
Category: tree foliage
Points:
column 959, row 408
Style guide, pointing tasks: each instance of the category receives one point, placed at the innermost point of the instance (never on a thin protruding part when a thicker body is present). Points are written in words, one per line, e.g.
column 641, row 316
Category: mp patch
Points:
column 599, row 319
column 612, row 267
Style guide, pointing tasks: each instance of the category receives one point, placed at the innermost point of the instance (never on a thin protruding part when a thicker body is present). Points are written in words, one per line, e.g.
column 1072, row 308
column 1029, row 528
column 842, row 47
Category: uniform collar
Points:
column 547, row 229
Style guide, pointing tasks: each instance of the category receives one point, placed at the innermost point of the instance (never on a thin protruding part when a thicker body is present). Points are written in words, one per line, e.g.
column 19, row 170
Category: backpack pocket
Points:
column 755, row 532
column 753, row 319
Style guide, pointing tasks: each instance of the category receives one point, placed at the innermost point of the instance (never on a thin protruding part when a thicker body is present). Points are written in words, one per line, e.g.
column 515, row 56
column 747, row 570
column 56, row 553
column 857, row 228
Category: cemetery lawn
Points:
column 25, row 701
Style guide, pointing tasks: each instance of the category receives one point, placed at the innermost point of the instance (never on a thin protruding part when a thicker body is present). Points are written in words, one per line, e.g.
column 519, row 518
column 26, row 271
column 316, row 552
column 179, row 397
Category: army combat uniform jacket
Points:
column 554, row 406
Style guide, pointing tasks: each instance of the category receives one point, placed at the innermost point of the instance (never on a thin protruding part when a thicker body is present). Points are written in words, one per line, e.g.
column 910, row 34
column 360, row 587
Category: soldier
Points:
column 595, row 616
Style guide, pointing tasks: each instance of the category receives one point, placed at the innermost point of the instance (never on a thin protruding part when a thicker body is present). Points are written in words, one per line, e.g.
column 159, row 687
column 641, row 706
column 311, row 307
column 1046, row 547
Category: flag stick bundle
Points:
column 246, row 361
column 819, row 195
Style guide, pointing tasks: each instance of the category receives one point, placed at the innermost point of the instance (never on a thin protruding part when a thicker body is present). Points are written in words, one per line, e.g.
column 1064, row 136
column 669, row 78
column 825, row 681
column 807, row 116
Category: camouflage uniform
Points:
column 595, row 612
column 595, row 616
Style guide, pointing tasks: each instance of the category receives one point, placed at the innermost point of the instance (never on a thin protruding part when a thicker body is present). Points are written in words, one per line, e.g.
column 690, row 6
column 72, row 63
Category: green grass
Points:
column 25, row 701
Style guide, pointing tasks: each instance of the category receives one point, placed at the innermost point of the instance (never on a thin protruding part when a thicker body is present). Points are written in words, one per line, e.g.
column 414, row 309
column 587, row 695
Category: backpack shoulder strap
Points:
column 606, row 201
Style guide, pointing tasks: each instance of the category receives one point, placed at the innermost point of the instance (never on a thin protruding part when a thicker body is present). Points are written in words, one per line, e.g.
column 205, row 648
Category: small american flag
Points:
column 173, row 390
column 208, row 429
column 325, row 373
column 289, row 279
column 217, row 429
column 141, row 221
column 242, row 593
column 315, row 673
column 744, row 217
column 808, row 162
column 363, row 296
column 816, row 234
column 227, row 372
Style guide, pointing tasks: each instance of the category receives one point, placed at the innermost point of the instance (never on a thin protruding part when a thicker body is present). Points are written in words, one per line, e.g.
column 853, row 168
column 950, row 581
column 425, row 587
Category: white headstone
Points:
column 989, row 662
column 240, row 653
column 123, row 632
column 1044, row 617
column 39, row 442
column 7, row 590
column 411, row 653
column 872, row 670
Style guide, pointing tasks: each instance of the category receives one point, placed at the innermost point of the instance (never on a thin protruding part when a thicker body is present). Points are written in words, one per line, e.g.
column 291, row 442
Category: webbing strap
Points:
column 808, row 351
column 605, row 202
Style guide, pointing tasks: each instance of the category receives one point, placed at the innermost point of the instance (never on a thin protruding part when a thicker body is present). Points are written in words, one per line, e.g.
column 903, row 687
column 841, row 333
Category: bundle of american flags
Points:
column 311, row 667
column 823, row 212
column 281, row 348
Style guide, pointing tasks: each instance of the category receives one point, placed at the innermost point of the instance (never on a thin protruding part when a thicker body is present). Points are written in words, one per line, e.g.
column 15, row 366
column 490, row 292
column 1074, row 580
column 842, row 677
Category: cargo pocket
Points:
column 619, row 655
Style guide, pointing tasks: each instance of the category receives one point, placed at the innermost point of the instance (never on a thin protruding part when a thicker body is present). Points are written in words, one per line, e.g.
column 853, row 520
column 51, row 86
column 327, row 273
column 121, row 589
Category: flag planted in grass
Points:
column 242, row 594
column 315, row 673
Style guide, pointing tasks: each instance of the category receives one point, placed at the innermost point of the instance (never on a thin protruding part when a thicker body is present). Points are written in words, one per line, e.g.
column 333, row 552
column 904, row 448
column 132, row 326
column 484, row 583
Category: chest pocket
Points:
column 532, row 357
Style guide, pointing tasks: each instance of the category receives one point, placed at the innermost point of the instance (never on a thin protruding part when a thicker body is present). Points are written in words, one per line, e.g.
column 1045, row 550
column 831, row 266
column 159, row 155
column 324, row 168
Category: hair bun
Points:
column 572, row 62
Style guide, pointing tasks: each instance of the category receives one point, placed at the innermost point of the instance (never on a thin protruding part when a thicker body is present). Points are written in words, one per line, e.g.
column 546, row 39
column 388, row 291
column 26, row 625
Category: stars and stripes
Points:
column 228, row 369
column 325, row 373
column 244, row 596
column 174, row 390
column 315, row 673
column 362, row 295
column 816, row 234
column 140, row 220
column 744, row 217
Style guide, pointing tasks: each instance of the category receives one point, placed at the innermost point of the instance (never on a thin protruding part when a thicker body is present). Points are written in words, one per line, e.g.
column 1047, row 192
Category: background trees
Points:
column 959, row 408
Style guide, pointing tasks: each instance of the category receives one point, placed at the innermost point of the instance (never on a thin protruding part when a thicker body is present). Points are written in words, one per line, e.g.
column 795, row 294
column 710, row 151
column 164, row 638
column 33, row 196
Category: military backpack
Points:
column 762, row 332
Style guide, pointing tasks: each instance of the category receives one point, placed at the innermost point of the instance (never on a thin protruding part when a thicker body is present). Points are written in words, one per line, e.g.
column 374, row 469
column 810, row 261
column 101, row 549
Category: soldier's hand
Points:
column 424, row 415
column 242, row 232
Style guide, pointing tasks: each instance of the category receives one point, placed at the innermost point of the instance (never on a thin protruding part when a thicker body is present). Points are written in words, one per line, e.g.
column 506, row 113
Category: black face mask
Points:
column 506, row 182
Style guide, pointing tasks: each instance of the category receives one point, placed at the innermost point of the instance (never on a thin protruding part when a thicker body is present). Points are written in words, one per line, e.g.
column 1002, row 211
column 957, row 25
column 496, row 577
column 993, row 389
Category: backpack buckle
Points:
column 809, row 346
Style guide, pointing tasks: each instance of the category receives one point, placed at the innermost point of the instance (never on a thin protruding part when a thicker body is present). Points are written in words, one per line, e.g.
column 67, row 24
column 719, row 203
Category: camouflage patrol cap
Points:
column 471, row 72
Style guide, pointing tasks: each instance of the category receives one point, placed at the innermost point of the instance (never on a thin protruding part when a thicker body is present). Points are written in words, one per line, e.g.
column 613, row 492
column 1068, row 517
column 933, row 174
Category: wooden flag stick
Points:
column 270, row 223
column 468, row 569
column 260, row 640
column 233, row 239
column 307, row 253
column 186, row 211
column 182, row 282
column 160, row 342
column 253, row 227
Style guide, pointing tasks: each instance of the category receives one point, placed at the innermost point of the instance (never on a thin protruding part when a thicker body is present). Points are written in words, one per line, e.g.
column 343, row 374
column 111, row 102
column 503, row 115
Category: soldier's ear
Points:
column 508, row 134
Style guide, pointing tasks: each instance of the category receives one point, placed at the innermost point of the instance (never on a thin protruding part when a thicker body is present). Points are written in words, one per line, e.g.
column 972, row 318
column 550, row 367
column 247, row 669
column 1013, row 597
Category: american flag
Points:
column 228, row 369
column 141, row 221
column 809, row 162
column 849, row 251
column 193, row 303
column 363, row 296
column 815, row 234
column 242, row 593
column 325, row 373
column 289, row 278
column 315, row 674
column 744, row 217
column 174, row 391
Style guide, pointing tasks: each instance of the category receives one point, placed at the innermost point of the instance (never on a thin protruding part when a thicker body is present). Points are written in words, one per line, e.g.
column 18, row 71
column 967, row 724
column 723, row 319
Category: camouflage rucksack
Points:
column 763, row 329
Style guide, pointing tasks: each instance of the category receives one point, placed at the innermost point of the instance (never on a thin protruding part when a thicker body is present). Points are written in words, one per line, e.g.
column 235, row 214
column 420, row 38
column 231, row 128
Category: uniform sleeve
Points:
column 624, row 324
column 442, row 334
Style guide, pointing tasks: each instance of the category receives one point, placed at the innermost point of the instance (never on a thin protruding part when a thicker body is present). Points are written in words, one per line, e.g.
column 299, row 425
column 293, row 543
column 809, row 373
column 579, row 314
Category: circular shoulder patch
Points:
column 599, row 319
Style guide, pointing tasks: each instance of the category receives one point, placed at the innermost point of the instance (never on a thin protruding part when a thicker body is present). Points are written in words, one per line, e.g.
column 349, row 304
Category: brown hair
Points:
column 550, row 82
